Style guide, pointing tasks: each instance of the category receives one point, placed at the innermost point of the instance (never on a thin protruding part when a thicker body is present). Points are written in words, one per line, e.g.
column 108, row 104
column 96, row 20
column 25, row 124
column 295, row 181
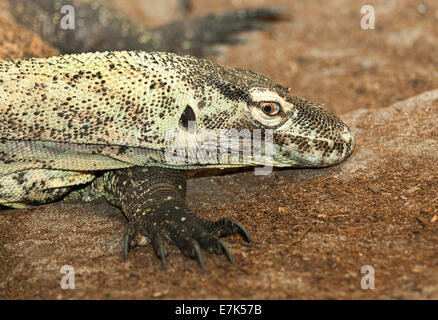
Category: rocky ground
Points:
column 313, row 230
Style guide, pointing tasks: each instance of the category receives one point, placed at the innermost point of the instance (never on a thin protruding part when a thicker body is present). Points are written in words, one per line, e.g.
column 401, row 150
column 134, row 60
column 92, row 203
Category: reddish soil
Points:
column 312, row 230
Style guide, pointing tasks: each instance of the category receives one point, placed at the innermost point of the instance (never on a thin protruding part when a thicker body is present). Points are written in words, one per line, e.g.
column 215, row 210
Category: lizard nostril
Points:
column 346, row 135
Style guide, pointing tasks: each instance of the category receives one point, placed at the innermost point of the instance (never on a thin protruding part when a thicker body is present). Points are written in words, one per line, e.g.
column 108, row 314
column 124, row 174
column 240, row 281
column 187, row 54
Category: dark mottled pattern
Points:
column 32, row 187
column 100, row 27
column 158, row 214
column 133, row 99
column 68, row 120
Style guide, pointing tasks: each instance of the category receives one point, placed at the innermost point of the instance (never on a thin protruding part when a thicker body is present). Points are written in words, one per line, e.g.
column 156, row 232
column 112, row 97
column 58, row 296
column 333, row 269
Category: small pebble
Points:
column 412, row 190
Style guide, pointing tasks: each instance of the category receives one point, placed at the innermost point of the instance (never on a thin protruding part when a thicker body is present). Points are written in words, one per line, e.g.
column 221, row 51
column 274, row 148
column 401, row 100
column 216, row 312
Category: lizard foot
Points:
column 172, row 222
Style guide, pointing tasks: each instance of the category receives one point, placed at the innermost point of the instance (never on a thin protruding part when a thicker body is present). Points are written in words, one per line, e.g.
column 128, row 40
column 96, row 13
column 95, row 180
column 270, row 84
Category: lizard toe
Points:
column 213, row 244
column 226, row 227
column 190, row 248
column 160, row 249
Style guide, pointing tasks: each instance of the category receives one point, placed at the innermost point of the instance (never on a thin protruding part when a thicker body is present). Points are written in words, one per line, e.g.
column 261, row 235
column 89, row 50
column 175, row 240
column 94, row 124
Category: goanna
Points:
column 99, row 27
column 102, row 121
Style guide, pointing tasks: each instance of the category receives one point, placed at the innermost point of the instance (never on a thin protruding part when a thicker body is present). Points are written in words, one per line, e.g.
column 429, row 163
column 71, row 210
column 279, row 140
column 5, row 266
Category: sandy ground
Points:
column 312, row 230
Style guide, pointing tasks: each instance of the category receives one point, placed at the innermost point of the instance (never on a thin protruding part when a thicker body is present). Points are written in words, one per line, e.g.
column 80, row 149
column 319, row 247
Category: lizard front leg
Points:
column 153, row 200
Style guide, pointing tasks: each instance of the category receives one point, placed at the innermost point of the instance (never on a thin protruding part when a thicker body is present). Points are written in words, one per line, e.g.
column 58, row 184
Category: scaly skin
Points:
column 65, row 120
column 100, row 27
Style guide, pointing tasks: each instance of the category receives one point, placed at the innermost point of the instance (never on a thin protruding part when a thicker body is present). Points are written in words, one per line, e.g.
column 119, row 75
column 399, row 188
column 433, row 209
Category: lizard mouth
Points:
column 319, row 153
column 345, row 147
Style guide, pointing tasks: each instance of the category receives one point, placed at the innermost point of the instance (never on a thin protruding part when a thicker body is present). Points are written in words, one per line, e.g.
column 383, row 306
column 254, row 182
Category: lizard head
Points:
column 303, row 133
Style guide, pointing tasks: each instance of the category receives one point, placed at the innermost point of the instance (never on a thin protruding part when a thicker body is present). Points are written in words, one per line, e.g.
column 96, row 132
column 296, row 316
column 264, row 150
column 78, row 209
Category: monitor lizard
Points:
column 101, row 120
column 99, row 27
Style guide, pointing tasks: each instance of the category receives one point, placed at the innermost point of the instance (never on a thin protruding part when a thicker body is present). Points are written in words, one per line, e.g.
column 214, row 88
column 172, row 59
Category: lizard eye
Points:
column 270, row 108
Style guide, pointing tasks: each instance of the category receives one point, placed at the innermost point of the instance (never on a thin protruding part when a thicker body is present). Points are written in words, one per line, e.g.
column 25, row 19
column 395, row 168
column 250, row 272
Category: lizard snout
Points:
column 346, row 135
column 342, row 152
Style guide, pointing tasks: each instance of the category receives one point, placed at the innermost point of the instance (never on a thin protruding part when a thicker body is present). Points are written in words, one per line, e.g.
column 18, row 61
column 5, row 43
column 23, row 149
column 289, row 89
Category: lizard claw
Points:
column 198, row 255
column 225, row 227
column 160, row 250
column 242, row 231
column 126, row 244
column 167, row 219
column 227, row 252
column 162, row 256
column 199, row 233
column 202, row 234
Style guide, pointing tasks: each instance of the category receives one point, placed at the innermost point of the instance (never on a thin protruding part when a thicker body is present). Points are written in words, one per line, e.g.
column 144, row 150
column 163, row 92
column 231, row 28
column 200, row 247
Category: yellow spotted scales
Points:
column 66, row 120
